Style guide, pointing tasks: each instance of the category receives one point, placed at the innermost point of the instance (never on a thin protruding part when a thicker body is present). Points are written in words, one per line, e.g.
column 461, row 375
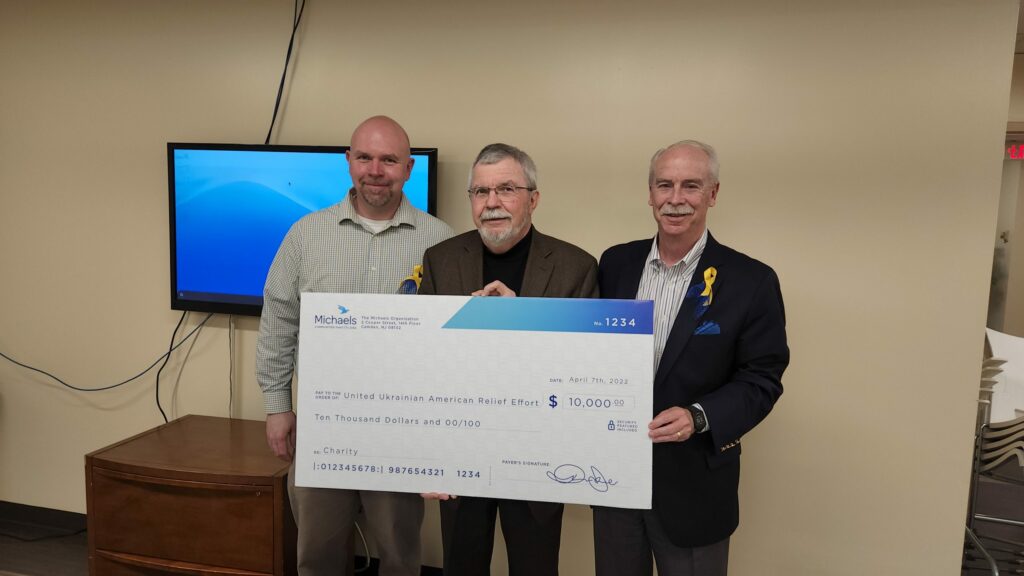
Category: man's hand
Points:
column 672, row 425
column 496, row 288
column 281, row 434
column 437, row 496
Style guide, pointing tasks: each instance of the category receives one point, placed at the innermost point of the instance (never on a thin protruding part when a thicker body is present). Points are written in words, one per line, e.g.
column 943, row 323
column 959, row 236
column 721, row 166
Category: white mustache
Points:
column 670, row 210
column 495, row 214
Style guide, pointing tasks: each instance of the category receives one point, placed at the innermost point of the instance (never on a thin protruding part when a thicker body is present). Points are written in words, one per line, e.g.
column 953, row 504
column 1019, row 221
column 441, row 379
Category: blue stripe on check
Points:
column 555, row 315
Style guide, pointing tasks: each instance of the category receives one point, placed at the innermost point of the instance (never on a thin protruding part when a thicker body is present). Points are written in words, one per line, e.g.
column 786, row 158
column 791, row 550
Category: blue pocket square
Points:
column 708, row 327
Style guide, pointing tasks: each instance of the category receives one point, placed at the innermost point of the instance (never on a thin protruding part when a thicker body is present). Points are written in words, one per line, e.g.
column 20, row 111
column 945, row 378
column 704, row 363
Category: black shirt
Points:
column 509, row 267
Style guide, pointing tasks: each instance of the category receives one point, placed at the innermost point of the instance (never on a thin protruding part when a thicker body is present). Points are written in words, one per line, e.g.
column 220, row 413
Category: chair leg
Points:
column 977, row 544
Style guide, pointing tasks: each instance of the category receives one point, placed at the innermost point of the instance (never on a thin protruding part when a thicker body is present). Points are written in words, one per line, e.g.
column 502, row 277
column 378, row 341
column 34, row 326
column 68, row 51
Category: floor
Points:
column 38, row 541
column 54, row 555
column 42, row 542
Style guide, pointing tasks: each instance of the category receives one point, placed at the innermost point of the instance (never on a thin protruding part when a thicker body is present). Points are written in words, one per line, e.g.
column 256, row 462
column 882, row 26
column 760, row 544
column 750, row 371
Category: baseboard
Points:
column 29, row 523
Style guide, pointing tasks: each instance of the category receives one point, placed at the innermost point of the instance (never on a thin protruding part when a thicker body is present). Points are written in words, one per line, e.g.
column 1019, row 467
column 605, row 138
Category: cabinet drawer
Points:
column 191, row 522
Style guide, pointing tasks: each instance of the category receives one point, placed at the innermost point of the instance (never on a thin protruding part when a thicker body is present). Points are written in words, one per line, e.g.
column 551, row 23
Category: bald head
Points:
column 381, row 126
column 379, row 163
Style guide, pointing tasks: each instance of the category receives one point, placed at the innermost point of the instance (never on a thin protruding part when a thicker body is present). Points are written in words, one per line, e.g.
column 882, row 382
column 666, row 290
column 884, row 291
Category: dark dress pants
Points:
column 625, row 541
column 532, row 540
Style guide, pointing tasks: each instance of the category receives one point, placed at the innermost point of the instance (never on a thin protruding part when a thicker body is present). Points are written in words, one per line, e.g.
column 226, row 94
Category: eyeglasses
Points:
column 503, row 191
column 667, row 186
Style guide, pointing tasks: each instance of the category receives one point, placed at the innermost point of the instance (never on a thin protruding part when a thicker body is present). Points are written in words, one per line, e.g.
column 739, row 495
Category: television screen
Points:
column 231, row 205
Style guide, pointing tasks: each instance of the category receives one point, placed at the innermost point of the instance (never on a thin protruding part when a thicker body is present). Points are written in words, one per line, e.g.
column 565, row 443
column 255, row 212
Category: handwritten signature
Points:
column 573, row 474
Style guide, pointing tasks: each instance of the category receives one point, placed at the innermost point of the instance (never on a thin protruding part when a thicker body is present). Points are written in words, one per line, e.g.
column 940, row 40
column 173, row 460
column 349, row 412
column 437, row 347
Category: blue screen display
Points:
column 232, row 208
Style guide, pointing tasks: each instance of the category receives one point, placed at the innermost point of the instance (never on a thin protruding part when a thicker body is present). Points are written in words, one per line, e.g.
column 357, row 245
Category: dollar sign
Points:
column 552, row 400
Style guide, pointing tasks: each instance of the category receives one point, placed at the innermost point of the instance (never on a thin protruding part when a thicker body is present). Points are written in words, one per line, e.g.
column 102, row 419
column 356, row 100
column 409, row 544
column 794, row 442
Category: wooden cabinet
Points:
column 200, row 495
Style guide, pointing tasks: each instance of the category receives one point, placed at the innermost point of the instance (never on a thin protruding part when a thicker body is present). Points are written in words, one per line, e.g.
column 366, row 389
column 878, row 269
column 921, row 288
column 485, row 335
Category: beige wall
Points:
column 860, row 147
column 1017, row 90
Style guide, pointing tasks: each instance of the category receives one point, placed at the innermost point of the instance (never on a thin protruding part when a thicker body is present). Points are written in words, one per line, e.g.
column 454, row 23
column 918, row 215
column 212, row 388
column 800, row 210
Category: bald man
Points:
column 368, row 242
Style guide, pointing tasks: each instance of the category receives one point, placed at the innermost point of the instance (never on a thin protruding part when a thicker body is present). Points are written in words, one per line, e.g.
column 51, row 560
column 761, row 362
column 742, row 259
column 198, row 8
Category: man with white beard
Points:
column 504, row 256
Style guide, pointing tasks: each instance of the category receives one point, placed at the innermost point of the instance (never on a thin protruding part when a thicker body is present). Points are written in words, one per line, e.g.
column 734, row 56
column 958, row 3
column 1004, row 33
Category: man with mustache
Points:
column 720, row 351
column 369, row 242
column 504, row 256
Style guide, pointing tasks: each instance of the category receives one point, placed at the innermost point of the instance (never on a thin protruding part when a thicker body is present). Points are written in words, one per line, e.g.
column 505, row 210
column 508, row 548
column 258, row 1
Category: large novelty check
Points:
column 524, row 398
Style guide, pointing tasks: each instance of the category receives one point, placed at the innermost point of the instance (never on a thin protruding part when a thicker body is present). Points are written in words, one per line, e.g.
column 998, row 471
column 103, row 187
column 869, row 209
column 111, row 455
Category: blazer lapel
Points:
column 538, row 267
column 688, row 317
column 632, row 273
column 471, row 266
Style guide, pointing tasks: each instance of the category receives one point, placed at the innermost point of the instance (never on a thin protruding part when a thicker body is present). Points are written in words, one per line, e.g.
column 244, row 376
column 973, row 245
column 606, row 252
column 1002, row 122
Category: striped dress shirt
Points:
column 667, row 286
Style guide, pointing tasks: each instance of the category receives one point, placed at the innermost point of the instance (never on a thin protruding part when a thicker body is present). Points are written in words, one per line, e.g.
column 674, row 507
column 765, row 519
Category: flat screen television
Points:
column 231, row 205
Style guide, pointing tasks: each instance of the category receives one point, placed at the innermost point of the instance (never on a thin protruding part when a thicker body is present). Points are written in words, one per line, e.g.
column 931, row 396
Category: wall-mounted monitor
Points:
column 231, row 205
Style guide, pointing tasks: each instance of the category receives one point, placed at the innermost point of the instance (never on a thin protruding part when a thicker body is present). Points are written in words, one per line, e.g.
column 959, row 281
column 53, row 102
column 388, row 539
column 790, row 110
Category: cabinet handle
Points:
column 258, row 488
column 173, row 566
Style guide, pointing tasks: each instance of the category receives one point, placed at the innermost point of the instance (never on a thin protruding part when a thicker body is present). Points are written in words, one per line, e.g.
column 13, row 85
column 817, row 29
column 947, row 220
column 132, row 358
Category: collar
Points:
column 345, row 210
column 692, row 256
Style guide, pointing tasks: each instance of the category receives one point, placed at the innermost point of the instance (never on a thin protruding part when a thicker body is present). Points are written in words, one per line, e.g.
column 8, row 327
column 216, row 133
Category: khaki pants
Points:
column 325, row 518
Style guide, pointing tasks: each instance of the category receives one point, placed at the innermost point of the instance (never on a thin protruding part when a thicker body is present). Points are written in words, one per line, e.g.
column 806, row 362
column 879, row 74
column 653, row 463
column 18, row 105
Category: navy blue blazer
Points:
column 727, row 353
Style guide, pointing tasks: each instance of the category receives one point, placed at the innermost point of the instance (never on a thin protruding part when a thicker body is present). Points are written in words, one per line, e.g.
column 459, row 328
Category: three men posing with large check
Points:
column 719, row 353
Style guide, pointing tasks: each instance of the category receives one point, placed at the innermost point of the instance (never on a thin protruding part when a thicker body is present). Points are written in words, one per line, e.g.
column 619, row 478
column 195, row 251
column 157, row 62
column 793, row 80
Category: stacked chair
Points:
column 998, row 466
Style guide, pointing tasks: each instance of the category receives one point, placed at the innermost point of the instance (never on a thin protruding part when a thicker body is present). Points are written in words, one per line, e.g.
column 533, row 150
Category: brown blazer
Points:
column 554, row 269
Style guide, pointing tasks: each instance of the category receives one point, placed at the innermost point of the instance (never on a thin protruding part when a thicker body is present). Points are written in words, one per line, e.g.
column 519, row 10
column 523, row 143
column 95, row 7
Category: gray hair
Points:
column 494, row 153
column 705, row 148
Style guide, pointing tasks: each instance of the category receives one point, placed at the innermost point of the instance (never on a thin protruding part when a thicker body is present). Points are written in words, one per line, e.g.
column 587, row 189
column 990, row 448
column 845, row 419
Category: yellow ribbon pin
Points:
column 417, row 275
column 709, row 279
column 411, row 284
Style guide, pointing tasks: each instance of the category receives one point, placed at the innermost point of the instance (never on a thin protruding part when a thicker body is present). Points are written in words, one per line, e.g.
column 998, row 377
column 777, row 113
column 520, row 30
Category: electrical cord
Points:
column 181, row 372
column 231, row 363
column 296, row 18
column 119, row 384
column 167, row 358
column 366, row 566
